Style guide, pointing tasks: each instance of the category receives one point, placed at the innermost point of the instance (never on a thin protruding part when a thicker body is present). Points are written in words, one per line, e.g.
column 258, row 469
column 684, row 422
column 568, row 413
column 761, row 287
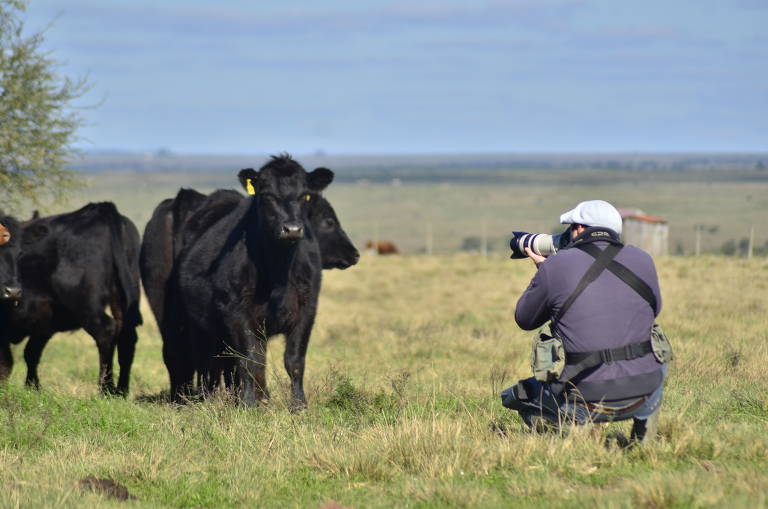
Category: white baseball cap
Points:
column 594, row 213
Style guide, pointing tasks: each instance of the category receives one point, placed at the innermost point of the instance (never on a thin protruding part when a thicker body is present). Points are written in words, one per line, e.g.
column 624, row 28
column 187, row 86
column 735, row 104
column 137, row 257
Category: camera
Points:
column 540, row 243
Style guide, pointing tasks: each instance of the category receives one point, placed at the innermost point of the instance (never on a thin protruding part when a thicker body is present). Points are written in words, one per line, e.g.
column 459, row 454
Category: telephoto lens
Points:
column 540, row 243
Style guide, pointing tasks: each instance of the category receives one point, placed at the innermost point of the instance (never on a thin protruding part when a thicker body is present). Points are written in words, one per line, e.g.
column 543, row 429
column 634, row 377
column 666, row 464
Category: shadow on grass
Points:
column 613, row 439
column 161, row 398
column 164, row 398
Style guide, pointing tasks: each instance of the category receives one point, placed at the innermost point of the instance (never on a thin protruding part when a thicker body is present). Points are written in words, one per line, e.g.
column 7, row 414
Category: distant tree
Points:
column 736, row 248
column 762, row 250
column 471, row 243
column 743, row 246
column 37, row 120
column 728, row 248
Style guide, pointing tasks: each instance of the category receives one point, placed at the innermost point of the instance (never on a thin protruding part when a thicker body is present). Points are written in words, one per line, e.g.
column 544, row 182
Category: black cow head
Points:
column 283, row 192
column 13, row 240
column 336, row 250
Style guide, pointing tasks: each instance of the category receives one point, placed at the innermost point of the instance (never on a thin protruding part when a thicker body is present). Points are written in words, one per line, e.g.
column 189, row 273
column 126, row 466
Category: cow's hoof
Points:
column 297, row 406
column 109, row 390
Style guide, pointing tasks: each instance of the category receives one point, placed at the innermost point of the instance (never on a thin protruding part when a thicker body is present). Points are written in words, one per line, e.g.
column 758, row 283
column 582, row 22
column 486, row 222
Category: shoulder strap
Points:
column 602, row 260
column 623, row 273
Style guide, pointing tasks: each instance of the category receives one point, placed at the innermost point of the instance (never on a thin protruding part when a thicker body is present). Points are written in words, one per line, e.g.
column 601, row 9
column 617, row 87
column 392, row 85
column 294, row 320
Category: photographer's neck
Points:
column 588, row 234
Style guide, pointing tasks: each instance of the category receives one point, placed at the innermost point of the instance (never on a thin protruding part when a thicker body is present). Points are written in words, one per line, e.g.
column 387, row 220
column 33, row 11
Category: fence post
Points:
column 698, row 239
column 376, row 238
column 428, row 240
column 484, row 241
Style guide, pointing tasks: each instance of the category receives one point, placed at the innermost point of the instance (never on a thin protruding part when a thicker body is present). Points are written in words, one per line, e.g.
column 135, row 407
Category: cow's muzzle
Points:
column 10, row 293
column 292, row 232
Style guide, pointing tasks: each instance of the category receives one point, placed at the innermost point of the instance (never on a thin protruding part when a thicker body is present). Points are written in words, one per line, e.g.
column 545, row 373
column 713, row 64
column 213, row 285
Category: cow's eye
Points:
column 329, row 223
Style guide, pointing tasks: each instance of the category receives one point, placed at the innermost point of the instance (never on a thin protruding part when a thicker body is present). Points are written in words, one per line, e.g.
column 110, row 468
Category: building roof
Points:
column 644, row 218
column 639, row 215
column 630, row 212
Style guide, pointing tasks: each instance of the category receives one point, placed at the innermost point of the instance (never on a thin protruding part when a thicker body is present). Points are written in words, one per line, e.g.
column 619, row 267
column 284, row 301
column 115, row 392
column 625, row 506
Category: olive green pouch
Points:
column 547, row 355
column 662, row 349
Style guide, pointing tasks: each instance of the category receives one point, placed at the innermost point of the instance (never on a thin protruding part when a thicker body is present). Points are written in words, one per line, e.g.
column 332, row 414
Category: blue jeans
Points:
column 559, row 409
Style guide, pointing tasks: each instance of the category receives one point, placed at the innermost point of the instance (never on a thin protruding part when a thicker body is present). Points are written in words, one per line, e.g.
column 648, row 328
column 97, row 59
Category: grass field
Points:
column 404, row 369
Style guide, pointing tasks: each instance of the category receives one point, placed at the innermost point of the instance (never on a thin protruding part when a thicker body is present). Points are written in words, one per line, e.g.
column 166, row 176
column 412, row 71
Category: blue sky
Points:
column 375, row 77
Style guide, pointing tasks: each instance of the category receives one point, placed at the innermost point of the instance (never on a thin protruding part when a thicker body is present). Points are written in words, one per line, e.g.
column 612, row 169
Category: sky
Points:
column 390, row 77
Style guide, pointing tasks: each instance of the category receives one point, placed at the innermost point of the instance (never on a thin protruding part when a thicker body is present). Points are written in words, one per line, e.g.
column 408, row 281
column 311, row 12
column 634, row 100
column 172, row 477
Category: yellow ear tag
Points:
column 307, row 197
column 249, row 186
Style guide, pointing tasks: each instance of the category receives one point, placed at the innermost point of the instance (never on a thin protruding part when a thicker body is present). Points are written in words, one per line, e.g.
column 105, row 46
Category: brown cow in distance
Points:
column 383, row 247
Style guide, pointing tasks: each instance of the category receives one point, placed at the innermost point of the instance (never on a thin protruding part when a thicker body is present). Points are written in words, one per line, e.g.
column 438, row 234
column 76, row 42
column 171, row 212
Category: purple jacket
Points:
column 608, row 314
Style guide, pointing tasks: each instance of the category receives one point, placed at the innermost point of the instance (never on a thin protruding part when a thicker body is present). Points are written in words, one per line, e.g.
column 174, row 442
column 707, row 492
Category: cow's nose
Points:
column 292, row 231
column 11, row 292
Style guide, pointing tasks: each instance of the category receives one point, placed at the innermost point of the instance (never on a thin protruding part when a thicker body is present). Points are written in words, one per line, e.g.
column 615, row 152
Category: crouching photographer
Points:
column 601, row 358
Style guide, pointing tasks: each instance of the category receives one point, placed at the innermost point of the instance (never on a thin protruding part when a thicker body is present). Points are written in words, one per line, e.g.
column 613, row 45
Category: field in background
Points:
column 403, row 374
column 448, row 208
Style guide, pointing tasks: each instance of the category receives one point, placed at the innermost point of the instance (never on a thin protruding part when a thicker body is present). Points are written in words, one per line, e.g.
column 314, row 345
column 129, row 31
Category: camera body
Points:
column 540, row 243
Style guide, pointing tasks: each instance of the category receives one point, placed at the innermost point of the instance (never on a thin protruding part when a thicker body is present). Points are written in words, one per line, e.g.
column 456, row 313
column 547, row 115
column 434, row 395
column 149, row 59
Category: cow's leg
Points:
column 171, row 360
column 181, row 369
column 228, row 370
column 102, row 329
column 250, row 372
column 178, row 351
column 208, row 369
column 182, row 383
column 126, row 342
column 6, row 360
column 213, row 378
column 296, row 343
column 260, row 369
column 126, row 348
column 32, row 352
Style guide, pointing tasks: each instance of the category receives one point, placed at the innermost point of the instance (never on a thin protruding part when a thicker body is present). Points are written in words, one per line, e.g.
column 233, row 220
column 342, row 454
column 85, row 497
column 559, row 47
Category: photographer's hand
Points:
column 537, row 259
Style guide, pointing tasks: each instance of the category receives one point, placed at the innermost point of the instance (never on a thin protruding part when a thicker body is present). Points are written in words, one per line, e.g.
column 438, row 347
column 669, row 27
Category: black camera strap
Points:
column 604, row 259
column 623, row 273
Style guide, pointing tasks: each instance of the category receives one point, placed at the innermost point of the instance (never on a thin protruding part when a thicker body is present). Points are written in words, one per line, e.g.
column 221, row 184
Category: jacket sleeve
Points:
column 533, row 307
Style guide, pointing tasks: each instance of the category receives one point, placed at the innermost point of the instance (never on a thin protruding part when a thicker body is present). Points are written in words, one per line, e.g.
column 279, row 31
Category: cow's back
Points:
column 161, row 244
column 86, row 255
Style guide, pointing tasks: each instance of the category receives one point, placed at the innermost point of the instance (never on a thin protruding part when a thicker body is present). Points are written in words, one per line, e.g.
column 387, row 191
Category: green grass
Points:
column 404, row 369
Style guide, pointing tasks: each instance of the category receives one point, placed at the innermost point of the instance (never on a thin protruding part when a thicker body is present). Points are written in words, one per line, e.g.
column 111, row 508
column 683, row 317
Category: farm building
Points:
column 649, row 233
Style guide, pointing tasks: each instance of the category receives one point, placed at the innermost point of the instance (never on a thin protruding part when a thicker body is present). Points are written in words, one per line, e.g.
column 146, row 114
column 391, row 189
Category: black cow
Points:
column 161, row 244
column 251, row 274
column 162, row 240
column 13, row 239
column 336, row 252
column 84, row 262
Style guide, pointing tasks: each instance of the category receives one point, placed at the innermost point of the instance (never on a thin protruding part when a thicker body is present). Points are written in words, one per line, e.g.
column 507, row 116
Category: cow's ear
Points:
column 319, row 179
column 33, row 233
column 249, row 179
